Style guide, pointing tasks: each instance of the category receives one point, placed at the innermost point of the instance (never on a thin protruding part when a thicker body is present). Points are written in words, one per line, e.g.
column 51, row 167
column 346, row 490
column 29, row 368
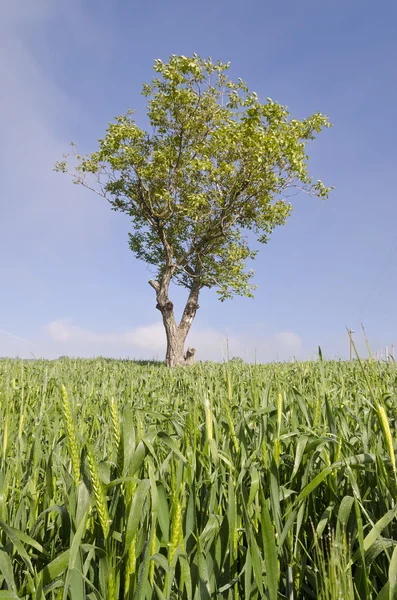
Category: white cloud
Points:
column 61, row 332
column 149, row 341
column 288, row 339
column 149, row 338
column 63, row 336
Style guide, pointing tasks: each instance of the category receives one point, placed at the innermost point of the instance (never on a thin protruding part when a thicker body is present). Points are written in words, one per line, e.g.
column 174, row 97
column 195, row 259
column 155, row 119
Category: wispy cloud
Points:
column 40, row 207
column 18, row 338
column 15, row 346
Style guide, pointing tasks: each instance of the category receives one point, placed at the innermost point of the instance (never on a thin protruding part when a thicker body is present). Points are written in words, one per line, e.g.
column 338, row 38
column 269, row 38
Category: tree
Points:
column 210, row 177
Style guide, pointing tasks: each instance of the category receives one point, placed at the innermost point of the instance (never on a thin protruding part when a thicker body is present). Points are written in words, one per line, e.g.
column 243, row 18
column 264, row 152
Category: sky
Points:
column 70, row 285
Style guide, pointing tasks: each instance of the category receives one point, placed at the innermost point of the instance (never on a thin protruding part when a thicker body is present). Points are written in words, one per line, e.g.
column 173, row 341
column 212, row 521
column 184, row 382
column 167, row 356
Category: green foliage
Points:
column 220, row 481
column 214, row 165
column 237, row 360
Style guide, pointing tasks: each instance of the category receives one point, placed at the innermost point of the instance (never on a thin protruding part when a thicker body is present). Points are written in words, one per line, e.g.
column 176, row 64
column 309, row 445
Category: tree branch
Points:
column 155, row 285
column 191, row 307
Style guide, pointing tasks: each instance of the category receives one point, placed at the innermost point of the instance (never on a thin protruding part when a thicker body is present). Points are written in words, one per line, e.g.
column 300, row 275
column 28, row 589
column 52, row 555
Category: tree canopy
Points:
column 208, row 179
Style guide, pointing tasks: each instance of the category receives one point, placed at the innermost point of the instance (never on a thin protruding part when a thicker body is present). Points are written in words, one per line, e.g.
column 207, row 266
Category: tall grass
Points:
column 120, row 480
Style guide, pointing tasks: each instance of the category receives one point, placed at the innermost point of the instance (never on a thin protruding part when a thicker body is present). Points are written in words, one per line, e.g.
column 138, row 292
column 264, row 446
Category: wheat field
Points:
column 127, row 480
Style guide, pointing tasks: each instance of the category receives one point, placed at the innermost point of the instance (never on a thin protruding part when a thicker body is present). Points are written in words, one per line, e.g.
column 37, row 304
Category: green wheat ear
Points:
column 115, row 427
column 70, row 434
column 99, row 496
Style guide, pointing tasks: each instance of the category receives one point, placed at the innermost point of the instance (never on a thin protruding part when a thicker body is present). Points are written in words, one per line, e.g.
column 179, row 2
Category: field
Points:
column 126, row 480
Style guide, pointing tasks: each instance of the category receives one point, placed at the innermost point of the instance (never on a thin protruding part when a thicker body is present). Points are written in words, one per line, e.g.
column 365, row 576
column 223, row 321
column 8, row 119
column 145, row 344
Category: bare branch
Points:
column 155, row 285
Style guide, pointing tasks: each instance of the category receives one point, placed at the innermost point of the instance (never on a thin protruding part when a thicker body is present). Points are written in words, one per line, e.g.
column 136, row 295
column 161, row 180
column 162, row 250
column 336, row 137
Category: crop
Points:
column 127, row 480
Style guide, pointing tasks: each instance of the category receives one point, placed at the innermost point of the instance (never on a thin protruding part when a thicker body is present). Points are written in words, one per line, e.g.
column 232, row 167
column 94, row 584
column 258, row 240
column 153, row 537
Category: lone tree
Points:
column 215, row 166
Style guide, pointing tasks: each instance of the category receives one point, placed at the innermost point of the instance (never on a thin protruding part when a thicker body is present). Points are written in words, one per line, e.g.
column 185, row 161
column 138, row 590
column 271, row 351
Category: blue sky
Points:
column 70, row 284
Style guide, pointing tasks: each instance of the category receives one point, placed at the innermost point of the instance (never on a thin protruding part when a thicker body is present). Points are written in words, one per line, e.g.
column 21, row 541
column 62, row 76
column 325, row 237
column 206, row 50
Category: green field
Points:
column 126, row 480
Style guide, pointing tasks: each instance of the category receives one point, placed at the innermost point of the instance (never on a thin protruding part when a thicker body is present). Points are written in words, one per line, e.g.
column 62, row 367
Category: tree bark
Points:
column 176, row 334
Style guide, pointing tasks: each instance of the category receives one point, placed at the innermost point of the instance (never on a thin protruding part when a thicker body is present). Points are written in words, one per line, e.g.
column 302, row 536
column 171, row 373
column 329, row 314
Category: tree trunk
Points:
column 176, row 334
column 175, row 355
